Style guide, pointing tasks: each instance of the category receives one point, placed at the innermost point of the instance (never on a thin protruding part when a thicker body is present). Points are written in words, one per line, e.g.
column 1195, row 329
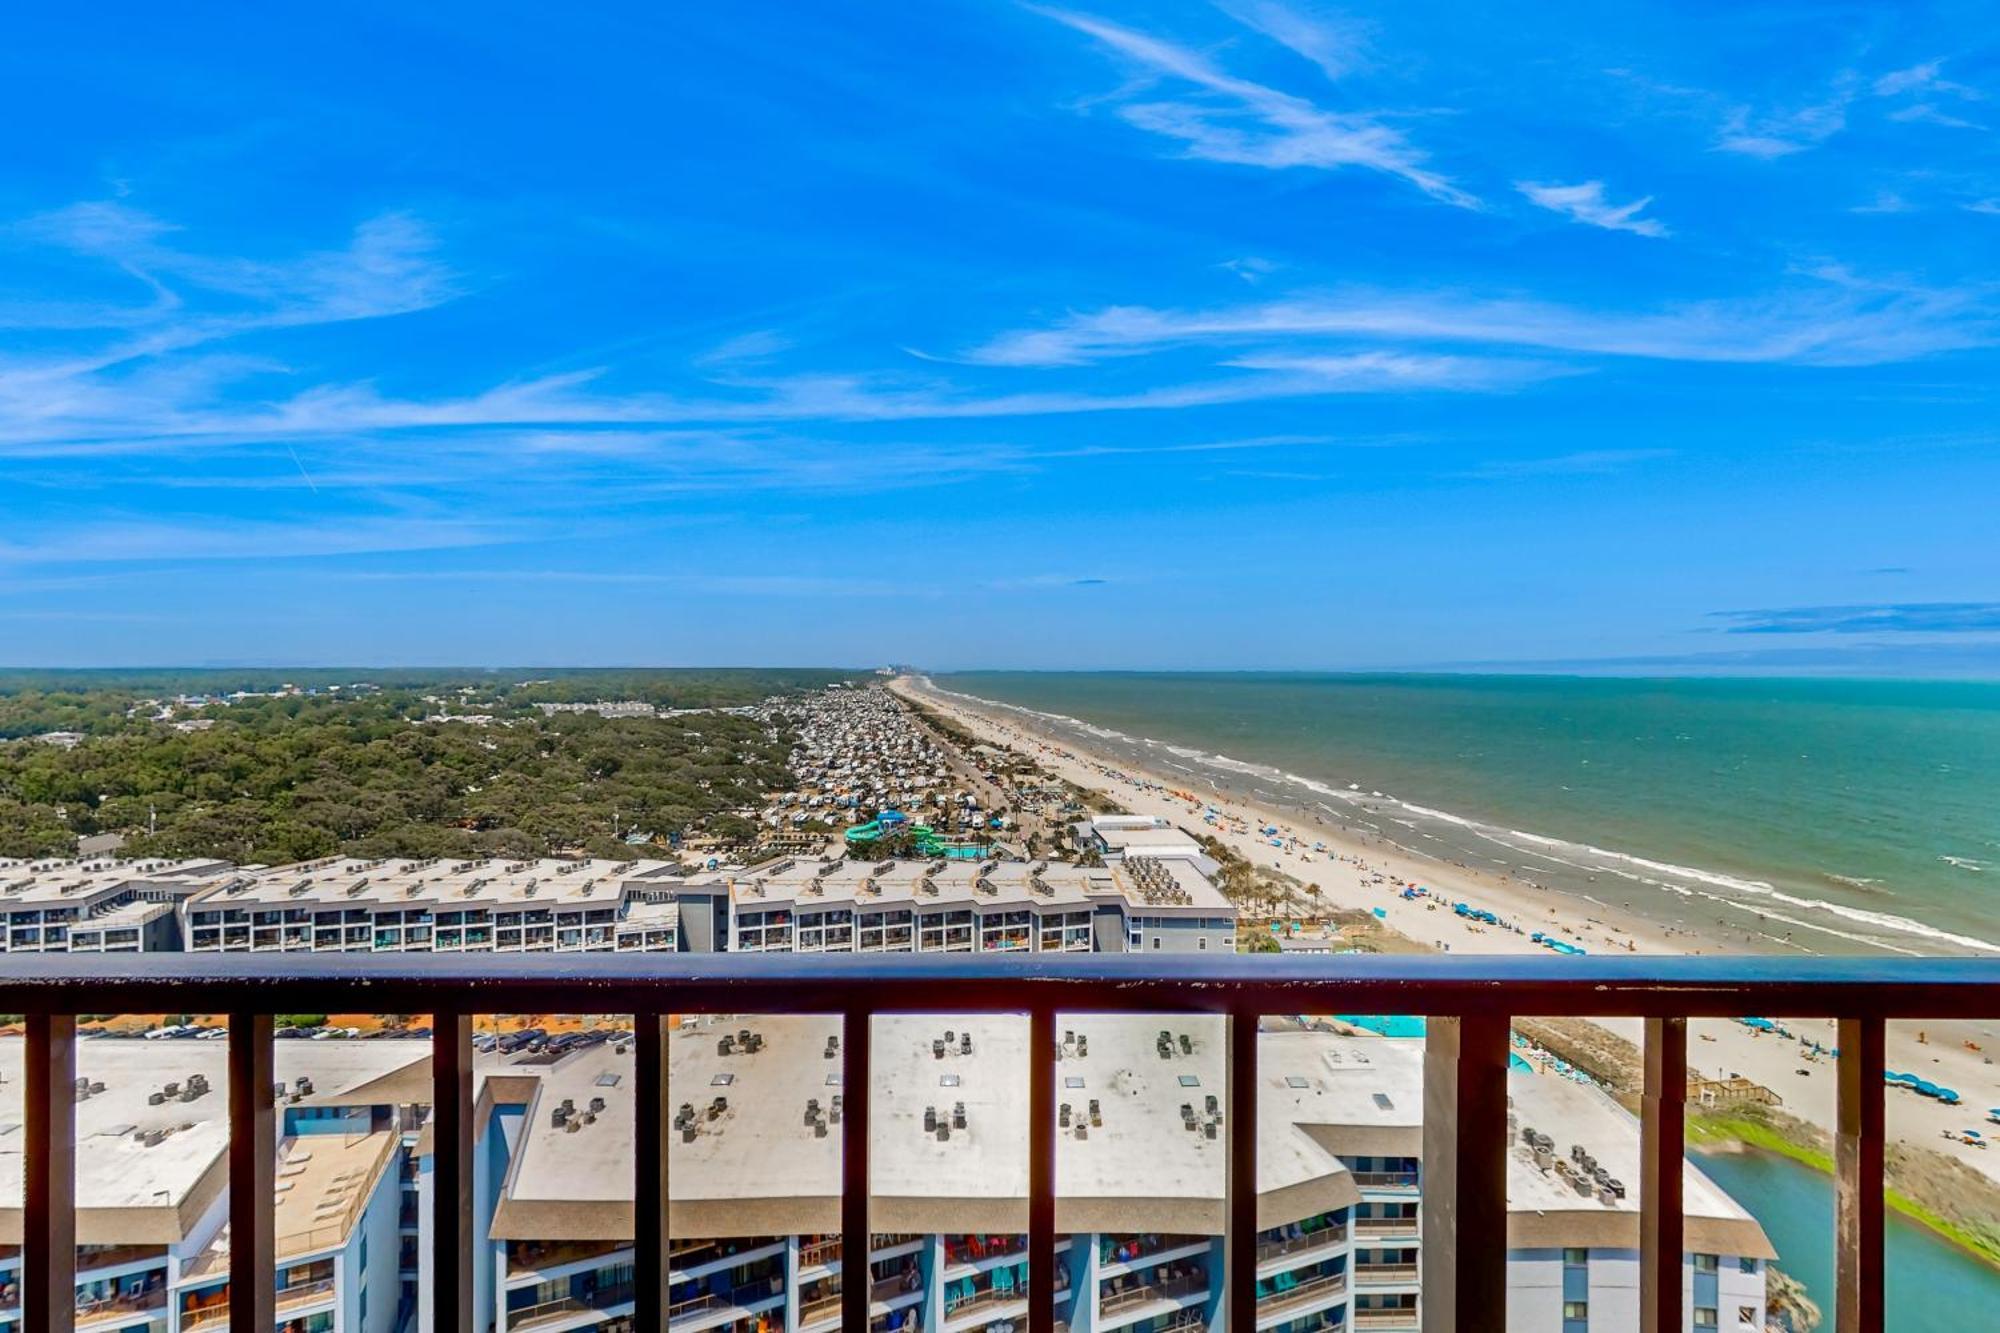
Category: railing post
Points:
column 451, row 1174
column 855, row 1239
column 1858, row 1167
column 1240, row 1189
column 48, row 1239
column 1662, row 1152
column 253, row 1151
column 649, row 1198
column 1041, row 1170
column 1464, row 1286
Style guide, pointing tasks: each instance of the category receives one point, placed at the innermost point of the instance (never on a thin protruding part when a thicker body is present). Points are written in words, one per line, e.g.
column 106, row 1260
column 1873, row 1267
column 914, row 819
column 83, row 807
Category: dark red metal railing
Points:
column 1468, row 1000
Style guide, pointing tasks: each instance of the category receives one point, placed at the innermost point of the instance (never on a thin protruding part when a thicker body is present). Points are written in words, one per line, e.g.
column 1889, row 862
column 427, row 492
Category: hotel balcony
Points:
column 299, row 1298
column 572, row 1311
column 148, row 1302
column 1288, row 1297
column 1462, row 1283
column 1174, row 1289
column 1277, row 1253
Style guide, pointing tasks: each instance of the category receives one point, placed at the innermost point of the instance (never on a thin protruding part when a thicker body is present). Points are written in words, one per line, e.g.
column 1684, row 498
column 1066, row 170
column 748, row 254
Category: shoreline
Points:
column 1761, row 909
column 1356, row 873
column 1720, row 1133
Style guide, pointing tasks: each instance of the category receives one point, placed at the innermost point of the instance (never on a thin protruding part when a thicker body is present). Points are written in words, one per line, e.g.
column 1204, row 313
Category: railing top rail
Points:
column 820, row 983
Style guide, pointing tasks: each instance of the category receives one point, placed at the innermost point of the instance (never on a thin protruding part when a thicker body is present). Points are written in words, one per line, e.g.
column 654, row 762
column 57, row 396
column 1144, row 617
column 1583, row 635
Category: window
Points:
column 1576, row 1310
column 1576, row 1258
column 1745, row 1264
column 1746, row 1315
column 1704, row 1316
column 1704, row 1263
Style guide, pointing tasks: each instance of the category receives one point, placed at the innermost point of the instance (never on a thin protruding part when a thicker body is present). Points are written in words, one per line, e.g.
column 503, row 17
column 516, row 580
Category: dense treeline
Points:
column 297, row 776
column 98, row 702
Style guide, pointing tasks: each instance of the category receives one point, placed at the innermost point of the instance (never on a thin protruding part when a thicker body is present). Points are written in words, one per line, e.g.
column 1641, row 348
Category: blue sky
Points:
column 1253, row 334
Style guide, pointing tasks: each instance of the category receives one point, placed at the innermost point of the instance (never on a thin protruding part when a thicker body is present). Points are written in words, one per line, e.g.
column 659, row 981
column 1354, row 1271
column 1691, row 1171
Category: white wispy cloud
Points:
column 388, row 267
column 1816, row 114
column 1586, row 203
column 110, row 419
column 1925, row 77
column 1583, row 462
column 1250, row 268
column 1781, row 133
column 1838, row 322
column 1334, row 42
column 1885, row 201
column 158, row 358
column 1239, row 121
column 141, row 540
column 1928, row 113
column 756, row 345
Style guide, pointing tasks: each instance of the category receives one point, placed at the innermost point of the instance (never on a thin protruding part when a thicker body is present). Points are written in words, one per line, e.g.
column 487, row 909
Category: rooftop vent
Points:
column 1155, row 883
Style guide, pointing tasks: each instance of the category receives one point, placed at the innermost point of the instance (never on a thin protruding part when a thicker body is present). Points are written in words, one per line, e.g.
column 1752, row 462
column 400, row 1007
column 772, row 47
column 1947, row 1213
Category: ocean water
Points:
column 1930, row 1286
column 1825, row 816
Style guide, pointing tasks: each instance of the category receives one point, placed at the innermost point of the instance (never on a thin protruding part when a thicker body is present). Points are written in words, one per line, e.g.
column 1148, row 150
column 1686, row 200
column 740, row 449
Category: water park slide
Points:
column 927, row 840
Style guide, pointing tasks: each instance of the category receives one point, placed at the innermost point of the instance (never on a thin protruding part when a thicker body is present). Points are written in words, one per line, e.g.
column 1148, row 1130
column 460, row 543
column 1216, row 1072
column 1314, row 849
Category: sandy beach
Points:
column 1357, row 874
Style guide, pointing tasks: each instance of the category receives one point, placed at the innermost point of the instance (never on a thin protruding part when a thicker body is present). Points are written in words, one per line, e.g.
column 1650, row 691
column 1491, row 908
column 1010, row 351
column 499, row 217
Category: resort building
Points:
column 152, row 1188
column 100, row 906
column 754, row 1157
column 947, row 906
column 351, row 904
column 1115, row 837
column 355, row 905
column 754, row 1161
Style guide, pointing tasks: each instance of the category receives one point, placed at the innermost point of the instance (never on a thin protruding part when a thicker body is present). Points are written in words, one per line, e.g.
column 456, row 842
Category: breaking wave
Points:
column 1753, row 895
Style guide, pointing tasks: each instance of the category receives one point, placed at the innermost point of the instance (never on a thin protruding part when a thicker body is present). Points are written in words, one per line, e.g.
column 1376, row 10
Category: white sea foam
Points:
column 1607, row 861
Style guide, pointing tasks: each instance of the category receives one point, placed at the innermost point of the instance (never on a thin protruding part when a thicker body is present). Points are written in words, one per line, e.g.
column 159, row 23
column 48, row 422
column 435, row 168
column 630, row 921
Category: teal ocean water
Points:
column 1824, row 815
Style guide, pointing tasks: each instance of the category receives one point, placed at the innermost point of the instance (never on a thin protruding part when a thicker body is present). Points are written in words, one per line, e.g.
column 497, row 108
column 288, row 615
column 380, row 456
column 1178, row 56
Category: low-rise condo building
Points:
column 351, row 904
column 101, row 905
column 152, row 1188
column 358, row 905
column 754, row 1165
column 1115, row 837
column 946, row 906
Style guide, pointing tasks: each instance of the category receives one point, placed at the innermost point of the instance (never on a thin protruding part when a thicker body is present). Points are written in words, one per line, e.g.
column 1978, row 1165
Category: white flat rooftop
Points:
column 437, row 885
column 806, row 884
column 53, row 881
column 154, row 1192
